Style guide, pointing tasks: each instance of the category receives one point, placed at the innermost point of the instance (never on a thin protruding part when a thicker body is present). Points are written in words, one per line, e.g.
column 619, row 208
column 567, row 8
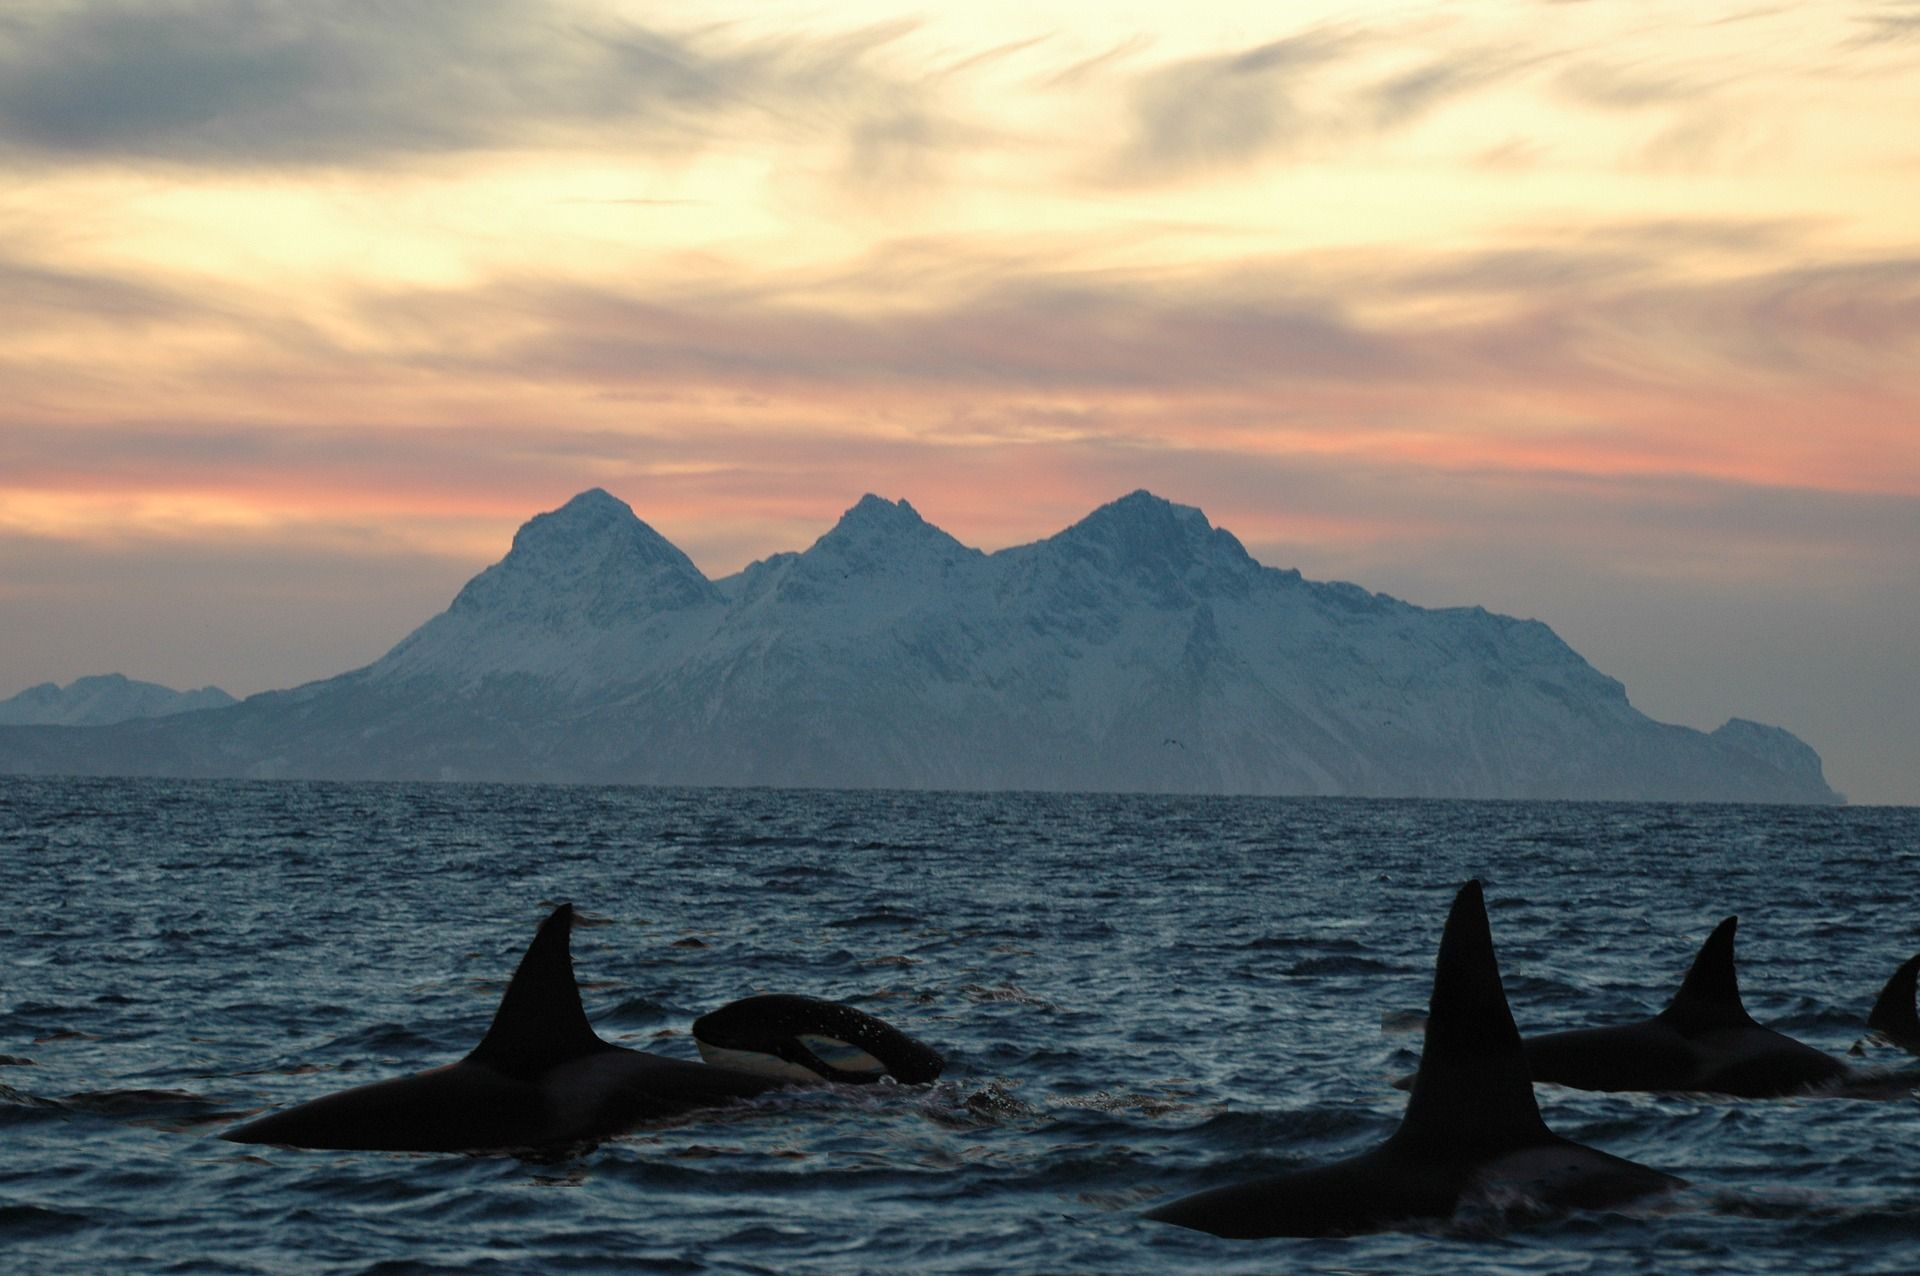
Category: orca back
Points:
column 540, row 1022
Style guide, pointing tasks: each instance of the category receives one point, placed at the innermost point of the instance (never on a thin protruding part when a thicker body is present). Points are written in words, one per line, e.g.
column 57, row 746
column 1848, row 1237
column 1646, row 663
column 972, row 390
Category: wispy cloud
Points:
column 1303, row 95
column 1888, row 24
column 1611, row 86
column 1226, row 110
column 1601, row 350
column 285, row 82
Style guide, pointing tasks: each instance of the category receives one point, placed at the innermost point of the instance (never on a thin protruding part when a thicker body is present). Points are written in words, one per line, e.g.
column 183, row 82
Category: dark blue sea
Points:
column 1139, row 997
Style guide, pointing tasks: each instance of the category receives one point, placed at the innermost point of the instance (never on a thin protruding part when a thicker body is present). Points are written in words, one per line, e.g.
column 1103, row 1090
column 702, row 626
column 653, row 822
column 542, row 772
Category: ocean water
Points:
column 1139, row 997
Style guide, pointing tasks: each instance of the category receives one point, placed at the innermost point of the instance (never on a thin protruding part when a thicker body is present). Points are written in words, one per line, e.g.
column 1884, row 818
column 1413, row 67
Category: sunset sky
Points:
column 1602, row 313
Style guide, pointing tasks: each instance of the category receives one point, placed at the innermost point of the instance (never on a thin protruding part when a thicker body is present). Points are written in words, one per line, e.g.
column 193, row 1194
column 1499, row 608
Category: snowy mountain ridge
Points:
column 1141, row 649
column 103, row 699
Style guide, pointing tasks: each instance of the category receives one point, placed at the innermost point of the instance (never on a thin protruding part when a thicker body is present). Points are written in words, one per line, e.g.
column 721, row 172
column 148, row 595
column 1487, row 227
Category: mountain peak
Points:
column 1141, row 499
column 1141, row 508
column 879, row 511
column 1147, row 535
column 876, row 530
column 592, row 559
column 594, row 508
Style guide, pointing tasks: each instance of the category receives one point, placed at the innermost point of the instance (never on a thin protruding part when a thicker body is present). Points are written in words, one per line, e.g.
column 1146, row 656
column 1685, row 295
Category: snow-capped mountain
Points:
column 103, row 699
column 1140, row 649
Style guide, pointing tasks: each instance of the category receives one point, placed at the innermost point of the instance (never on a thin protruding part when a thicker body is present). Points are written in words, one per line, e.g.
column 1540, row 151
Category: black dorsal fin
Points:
column 1893, row 1015
column 1710, row 997
column 540, row 1021
column 1473, row 1097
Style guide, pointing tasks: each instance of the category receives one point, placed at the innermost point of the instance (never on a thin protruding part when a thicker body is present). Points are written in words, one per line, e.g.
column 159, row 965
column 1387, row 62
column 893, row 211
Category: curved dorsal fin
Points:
column 1473, row 1097
column 1710, row 997
column 1893, row 1015
column 540, row 1021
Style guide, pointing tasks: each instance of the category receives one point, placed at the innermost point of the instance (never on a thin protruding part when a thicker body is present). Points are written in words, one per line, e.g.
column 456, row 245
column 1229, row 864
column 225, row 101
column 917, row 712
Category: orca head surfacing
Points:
column 807, row 1039
column 1471, row 1131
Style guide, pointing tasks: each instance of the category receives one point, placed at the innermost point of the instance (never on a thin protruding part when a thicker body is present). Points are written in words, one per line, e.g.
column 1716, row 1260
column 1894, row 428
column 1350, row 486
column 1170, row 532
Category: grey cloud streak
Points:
column 1224, row 110
column 28, row 290
column 1609, row 308
column 302, row 82
column 1606, row 314
column 1236, row 109
column 1037, row 334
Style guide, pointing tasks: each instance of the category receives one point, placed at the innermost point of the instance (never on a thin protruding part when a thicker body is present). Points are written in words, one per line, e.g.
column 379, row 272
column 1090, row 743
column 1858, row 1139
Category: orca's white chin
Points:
column 829, row 1050
column 766, row 1065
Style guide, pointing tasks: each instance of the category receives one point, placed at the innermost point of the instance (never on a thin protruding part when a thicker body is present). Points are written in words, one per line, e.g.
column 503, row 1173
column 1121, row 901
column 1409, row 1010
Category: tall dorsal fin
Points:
column 540, row 1021
column 1710, row 997
column 1893, row 1015
column 1473, row 1097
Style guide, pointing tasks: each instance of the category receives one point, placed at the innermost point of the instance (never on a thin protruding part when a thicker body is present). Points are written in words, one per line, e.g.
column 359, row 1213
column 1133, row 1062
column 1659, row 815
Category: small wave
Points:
column 18, row 1222
column 1338, row 966
column 993, row 1103
column 173, row 1110
column 1147, row 1105
column 383, row 1038
column 1832, row 1216
column 64, row 1034
column 803, row 872
column 633, row 1012
column 1894, row 1224
column 985, row 994
column 1266, row 943
column 1402, row 1022
column 1497, row 1210
column 18, row 1107
column 880, row 917
column 780, row 841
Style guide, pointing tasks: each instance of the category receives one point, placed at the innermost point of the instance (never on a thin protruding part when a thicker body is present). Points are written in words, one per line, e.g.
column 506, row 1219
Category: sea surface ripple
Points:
column 1138, row 996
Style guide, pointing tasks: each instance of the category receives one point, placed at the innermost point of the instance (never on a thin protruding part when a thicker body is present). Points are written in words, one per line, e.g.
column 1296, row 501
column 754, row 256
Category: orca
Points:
column 540, row 1077
column 802, row 1038
column 1472, row 1130
column 1893, row 1016
column 1703, row 1042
